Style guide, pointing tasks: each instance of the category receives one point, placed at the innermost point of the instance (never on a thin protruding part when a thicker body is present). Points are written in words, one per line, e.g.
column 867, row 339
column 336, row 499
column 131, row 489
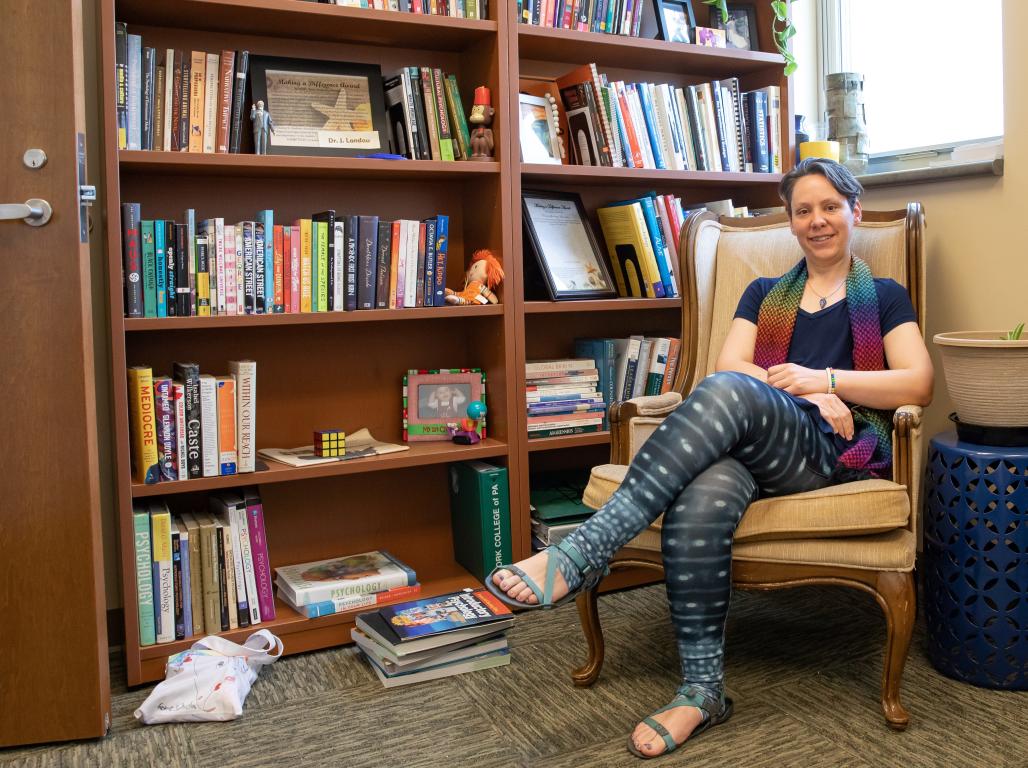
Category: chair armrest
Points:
column 907, row 448
column 632, row 421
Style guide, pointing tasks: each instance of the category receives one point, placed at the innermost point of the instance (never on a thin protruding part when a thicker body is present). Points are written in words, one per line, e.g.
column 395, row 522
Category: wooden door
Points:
column 54, row 682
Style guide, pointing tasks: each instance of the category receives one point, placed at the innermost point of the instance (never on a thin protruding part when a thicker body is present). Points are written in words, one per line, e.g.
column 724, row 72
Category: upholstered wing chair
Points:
column 858, row 534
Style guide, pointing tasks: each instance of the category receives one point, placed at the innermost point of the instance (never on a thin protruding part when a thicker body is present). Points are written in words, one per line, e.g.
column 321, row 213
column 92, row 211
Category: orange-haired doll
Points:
column 483, row 275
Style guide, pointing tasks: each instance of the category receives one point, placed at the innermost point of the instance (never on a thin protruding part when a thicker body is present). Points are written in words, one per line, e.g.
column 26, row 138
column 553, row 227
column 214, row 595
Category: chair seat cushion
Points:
column 848, row 509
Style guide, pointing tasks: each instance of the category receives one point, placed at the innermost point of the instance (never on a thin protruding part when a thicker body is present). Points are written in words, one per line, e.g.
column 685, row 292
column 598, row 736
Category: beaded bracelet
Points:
column 831, row 380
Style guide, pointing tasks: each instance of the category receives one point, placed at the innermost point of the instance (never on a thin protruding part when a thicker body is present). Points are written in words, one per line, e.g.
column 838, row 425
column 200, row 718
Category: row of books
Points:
column 178, row 101
column 713, row 126
column 190, row 425
column 324, row 263
column 615, row 17
column 202, row 571
column 563, row 397
column 434, row 637
column 426, row 115
column 460, row 9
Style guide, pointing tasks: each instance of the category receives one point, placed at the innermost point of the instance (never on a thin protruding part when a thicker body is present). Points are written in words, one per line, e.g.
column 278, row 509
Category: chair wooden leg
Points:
column 589, row 615
column 896, row 595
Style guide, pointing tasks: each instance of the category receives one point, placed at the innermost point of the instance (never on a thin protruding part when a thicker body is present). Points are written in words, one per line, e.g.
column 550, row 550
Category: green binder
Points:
column 480, row 514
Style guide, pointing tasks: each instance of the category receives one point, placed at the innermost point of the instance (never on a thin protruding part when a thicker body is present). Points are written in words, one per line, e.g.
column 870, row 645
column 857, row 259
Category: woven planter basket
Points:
column 987, row 377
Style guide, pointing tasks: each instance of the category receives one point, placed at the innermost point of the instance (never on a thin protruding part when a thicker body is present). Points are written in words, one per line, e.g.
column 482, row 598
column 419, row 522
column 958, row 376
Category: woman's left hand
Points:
column 797, row 380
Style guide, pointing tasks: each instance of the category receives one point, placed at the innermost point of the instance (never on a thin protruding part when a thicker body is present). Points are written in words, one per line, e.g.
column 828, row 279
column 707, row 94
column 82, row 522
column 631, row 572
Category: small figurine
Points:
column 484, row 274
column 330, row 442
column 263, row 127
column 482, row 117
column 467, row 433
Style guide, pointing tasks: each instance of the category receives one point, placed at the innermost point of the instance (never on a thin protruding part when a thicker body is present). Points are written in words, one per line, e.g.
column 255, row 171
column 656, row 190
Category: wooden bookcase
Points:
column 346, row 368
column 547, row 329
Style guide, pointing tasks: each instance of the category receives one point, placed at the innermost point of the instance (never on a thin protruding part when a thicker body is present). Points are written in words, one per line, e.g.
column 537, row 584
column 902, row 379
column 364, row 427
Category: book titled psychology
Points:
column 443, row 614
column 361, row 574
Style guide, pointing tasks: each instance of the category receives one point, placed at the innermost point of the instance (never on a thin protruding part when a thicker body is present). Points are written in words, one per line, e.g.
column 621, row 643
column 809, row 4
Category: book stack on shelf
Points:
column 201, row 572
column 435, row 637
column 341, row 584
column 556, row 505
column 711, row 126
column 563, row 397
column 192, row 425
column 327, row 262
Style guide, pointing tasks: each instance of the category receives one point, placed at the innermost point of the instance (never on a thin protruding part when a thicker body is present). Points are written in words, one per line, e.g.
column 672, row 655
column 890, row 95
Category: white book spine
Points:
column 219, row 250
column 210, row 102
column 232, row 523
column 706, row 101
column 134, row 97
column 339, row 266
column 230, row 269
column 246, row 558
column 240, row 309
column 410, row 285
column 179, row 400
column 169, row 80
column 209, row 424
column 687, row 134
column 245, row 374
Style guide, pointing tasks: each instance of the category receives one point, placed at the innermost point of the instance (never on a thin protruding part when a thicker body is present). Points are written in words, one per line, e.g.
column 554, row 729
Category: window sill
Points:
column 934, row 173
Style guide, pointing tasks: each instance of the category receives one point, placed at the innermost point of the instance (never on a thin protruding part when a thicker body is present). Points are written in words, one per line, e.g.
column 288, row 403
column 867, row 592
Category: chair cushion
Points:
column 849, row 509
column 891, row 551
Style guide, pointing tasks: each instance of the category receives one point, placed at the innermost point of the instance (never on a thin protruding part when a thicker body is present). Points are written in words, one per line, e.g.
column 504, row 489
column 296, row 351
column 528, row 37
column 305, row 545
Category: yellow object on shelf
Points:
column 827, row 149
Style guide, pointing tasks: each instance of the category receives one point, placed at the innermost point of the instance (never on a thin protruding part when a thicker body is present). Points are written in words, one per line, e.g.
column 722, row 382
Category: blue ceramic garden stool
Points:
column 976, row 558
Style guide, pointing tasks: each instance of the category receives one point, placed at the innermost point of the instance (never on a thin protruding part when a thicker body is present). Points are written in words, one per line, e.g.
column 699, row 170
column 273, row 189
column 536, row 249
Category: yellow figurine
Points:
column 484, row 274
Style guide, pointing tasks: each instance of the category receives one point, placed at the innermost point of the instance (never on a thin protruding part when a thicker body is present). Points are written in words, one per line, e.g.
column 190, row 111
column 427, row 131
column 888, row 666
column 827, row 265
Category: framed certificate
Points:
column 320, row 107
column 558, row 232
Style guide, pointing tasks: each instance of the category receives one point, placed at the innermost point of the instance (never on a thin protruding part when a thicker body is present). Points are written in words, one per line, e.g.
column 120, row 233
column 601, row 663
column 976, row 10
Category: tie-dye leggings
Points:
column 732, row 439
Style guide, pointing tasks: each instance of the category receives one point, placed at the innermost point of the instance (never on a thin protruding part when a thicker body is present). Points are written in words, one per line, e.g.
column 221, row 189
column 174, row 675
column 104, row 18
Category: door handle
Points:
column 34, row 212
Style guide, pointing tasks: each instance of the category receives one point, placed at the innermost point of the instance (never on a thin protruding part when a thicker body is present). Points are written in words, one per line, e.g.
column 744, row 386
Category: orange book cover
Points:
column 197, row 78
column 626, row 115
column 228, row 455
column 673, row 354
column 278, row 303
column 394, row 263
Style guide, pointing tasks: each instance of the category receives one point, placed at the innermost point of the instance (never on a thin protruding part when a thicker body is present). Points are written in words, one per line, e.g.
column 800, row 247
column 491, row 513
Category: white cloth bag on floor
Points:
column 211, row 680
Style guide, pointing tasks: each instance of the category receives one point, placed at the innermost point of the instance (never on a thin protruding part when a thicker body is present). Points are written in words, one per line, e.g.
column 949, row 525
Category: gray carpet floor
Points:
column 803, row 667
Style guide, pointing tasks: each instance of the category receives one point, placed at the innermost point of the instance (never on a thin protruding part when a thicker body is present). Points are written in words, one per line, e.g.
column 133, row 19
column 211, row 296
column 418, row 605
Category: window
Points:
column 933, row 69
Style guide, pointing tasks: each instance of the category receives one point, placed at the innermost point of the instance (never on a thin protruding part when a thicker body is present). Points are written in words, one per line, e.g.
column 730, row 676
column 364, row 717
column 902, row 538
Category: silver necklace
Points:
column 824, row 299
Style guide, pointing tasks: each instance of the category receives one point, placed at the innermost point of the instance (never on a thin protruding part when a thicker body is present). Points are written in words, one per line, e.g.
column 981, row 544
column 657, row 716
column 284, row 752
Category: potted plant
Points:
column 781, row 28
column 987, row 376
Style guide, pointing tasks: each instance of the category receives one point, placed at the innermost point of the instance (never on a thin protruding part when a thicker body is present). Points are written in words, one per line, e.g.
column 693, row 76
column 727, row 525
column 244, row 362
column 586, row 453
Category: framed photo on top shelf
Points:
column 675, row 20
column 538, row 130
column 435, row 399
column 557, row 230
column 741, row 27
column 321, row 107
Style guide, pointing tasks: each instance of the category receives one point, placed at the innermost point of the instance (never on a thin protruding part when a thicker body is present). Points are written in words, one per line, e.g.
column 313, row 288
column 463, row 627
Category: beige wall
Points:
column 977, row 272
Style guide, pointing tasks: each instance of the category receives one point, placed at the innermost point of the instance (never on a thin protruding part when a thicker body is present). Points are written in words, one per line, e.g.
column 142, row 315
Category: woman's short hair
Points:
column 838, row 175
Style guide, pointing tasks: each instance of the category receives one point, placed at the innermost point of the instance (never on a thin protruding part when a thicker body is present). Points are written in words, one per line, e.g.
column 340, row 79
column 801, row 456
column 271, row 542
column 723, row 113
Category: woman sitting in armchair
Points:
column 813, row 366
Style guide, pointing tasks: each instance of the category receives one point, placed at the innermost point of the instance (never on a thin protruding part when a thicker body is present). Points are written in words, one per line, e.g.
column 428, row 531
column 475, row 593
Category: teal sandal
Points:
column 715, row 712
column 590, row 578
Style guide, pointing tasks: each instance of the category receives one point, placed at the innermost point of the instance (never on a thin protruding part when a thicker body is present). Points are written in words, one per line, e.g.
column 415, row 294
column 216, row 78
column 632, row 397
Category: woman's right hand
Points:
column 834, row 411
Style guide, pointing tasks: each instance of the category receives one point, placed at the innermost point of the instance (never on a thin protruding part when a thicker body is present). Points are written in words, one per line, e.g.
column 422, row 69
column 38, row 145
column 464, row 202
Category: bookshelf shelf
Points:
column 568, row 441
column 589, row 175
column 599, row 305
column 557, row 45
column 419, row 455
column 141, row 162
column 320, row 318
column 310, row 21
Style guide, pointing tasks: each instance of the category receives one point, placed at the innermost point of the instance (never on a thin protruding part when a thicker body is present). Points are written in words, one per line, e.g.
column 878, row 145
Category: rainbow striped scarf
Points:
column 871, row 451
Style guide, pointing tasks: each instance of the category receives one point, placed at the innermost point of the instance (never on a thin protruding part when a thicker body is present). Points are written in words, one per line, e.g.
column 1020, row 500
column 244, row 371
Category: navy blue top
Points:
column 824, row 338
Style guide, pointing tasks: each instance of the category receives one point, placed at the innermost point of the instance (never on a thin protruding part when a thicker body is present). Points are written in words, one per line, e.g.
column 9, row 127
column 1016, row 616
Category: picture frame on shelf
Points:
column 539, row 143
column 557, row 230
column 741, row 27
column 434, row 400
column 675, row 20
column 332, row 108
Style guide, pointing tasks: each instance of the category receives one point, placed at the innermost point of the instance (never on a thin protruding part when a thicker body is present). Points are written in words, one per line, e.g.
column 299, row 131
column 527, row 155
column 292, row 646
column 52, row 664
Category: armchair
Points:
column 860, row 534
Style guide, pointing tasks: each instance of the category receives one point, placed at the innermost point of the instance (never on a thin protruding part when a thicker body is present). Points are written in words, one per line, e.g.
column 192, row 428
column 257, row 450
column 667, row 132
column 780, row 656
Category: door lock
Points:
column 34, row 212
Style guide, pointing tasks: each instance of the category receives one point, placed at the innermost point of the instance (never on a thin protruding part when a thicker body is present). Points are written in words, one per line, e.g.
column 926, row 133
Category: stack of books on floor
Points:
column 556, row 505
column 435, row 637
column 563, row 397
column 346, row 583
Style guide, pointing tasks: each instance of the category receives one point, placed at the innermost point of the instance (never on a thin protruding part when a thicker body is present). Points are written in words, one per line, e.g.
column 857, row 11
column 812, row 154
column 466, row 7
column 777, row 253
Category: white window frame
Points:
column 834, row 45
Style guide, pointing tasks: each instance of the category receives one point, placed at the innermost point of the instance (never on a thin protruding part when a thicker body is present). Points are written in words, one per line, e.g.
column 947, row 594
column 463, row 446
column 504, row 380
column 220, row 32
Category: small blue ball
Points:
column 476, row 410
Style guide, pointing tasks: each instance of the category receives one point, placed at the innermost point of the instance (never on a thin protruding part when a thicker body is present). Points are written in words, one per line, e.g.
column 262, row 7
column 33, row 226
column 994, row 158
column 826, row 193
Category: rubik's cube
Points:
column 330, row 442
